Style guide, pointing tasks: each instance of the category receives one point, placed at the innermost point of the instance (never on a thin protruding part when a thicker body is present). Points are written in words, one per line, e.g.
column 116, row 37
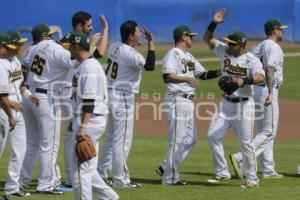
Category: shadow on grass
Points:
column 198, row 174
column 192, row 183
column 290, row 175
column 147, row 181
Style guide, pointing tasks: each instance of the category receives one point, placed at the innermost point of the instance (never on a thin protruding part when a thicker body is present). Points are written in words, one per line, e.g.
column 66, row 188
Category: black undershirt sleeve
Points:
column 97, row 55
column 150, row 61
column 210, row 74
column 88, row 105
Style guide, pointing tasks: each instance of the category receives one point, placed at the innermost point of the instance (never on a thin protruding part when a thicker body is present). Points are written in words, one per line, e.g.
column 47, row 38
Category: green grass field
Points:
column 148, row 151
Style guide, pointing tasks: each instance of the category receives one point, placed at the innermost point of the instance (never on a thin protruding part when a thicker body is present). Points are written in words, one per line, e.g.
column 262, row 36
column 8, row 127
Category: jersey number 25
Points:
column 37, row 65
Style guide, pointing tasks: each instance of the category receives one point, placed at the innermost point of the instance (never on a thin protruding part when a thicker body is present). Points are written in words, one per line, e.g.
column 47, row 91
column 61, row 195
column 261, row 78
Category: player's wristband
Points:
column 212, row 26
column 27, row 93
column 248, row 80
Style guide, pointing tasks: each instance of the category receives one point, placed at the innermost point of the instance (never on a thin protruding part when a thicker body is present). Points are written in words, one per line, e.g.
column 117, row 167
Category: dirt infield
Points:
column 154, row 123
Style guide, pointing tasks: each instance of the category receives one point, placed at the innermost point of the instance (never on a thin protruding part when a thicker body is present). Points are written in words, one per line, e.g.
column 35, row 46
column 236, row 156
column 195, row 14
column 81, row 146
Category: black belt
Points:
column 183, row 95
column 264, row 85
column 188, row 96
column 236, row 99
column 94, row 114
column 41, row 90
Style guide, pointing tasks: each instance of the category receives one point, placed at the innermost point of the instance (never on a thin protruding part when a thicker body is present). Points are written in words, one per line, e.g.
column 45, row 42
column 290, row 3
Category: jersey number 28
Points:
column 37, row 65
column 114, row 69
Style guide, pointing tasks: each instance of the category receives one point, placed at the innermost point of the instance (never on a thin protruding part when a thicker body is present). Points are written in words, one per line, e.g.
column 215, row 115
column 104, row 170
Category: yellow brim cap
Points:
column 193, row 34
column 283, row 26
column 22, row 40
column 229, row 40
column 11, row 46
column 52, row 30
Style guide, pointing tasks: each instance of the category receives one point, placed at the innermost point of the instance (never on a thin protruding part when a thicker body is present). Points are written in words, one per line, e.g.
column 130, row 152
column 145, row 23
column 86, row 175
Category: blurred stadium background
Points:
column 161, row 16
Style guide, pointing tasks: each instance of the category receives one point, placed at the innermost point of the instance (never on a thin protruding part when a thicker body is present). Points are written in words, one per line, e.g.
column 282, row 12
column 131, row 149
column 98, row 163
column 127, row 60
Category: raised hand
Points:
column 95, row 38
column 148, row 34
column 103, row 21
column 219, row 16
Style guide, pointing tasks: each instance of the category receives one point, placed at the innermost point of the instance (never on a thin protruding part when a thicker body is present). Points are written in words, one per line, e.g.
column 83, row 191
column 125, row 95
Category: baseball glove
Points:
column 84, row 148
column 228, row 84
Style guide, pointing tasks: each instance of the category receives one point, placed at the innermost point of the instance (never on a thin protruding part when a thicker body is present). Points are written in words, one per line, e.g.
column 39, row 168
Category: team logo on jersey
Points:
column 75, row 81
column 15, row 75
column 188, row 65
column 234, row 70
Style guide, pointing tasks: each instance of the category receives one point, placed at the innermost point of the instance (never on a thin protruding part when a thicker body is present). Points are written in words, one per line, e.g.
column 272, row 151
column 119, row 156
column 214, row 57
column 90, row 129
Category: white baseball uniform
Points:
column 236, row 111
column 32, row 138
column 67, row 104
column 125, row 65
column 180, row 111
column 4, row 89
column 50, row 64
column 17, row 136
column 267, row 118
column 91, row 84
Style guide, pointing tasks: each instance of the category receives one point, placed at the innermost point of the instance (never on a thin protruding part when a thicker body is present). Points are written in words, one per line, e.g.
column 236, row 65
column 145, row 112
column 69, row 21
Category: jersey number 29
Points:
column 37, row 65
column 114, row 69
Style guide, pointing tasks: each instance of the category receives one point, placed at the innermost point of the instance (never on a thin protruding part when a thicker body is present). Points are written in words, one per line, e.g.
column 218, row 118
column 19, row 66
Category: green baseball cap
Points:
column 236, row 38
column 42, row 29
column 273, row 24
column 79, row 38
column 6, row 41
column 183, row 30
column 16, row 38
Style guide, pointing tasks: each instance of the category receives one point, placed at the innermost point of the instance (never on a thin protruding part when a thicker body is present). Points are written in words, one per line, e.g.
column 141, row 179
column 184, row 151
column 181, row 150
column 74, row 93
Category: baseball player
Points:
column 236, row 110
column 266, row 96
column 81, row 22
column 49, row 66
column 31, row 125
column 7, row 119
column 181, row 72
column 125, row 65
column 16, row 136
column 90, row 109
column 298, row 170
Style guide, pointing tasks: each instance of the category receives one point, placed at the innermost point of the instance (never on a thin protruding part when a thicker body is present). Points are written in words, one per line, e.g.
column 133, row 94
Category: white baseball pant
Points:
column 182, row 136
column 240, row 117
column 266, row 123
column 86, row 180
column 17, row 140
column 119, row 137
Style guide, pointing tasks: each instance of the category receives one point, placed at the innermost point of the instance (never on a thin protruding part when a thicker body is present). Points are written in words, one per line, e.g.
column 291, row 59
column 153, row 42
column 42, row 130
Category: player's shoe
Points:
column 160, row 171
column 108, row 181
column 218, row 179
column 298, row 170
column 55, row 191
column 249, row 185
column 132, row 184
column 65, row 188
column 276, row 175
column 19, row 194
column 178, row 183
column 237, row 166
